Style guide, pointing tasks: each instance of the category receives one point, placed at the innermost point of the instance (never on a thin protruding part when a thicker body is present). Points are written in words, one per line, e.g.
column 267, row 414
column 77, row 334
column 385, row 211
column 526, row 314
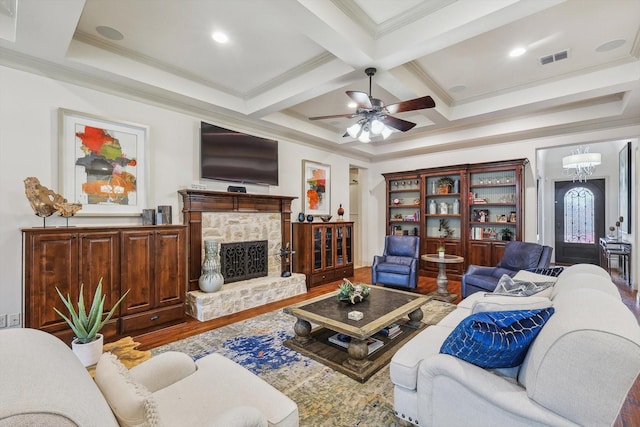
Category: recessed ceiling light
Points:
column 610, row 45
column 518, row 51
column 457, row 88
column 109, row 33
column 352, row 105
column 220, row 37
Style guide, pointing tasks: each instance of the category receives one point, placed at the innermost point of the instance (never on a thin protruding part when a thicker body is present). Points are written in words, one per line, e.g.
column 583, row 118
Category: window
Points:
column 579, row 216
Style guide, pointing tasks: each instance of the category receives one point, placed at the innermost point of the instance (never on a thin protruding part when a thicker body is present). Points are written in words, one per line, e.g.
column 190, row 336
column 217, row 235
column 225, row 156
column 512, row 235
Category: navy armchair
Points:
column 398, row 266
column 517, row 256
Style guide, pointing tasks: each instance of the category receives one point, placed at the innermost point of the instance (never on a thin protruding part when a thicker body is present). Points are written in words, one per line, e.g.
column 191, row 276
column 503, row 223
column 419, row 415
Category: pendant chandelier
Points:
column 580, row 164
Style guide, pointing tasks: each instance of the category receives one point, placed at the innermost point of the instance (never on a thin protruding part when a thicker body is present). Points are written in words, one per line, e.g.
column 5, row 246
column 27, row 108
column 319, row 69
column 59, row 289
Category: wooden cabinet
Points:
column 150, row 261
column 464, row 208
column 323, row 251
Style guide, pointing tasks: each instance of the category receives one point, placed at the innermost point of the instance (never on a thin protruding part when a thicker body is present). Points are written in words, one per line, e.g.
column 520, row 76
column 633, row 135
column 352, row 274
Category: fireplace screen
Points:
column 244, row 260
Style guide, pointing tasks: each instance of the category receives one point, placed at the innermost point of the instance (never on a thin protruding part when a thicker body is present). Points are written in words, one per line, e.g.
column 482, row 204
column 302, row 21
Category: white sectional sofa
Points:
column 44, row 384
column 577, row 372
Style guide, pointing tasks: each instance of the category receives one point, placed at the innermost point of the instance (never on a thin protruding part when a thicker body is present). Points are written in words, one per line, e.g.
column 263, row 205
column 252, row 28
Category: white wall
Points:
column 29, row 147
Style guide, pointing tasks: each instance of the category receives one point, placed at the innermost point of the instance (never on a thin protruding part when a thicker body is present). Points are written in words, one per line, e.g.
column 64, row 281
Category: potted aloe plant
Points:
column 87, row 344
column 441, row 251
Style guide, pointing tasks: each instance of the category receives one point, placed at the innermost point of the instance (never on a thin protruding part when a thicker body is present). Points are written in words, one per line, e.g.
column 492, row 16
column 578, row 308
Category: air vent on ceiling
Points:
column 554, row 57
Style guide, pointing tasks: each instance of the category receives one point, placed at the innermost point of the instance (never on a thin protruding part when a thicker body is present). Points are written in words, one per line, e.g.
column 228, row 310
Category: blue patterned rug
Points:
column 325, row 397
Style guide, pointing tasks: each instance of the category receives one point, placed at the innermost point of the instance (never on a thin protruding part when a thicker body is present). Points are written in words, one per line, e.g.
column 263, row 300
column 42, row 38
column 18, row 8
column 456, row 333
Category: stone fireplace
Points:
column 232, row 218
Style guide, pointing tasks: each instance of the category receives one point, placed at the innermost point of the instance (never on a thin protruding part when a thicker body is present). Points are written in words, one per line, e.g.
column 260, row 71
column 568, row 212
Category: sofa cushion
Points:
column 496, row 339
column 494, row 302
column 398, row 260
column 386, row 267
column 580, row 281
column 131, row 402
column 404, row 364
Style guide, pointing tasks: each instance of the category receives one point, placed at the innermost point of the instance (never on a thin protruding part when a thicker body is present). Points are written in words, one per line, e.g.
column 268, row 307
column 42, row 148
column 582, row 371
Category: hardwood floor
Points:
column 629, row 414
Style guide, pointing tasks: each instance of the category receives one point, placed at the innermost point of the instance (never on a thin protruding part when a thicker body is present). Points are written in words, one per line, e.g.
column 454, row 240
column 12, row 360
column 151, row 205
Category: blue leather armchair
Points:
column 399, row 264
column 517, row 256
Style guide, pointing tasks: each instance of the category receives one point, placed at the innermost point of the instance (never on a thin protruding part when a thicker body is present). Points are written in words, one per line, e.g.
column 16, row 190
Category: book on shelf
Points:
column 343, row 341
column 391, row 331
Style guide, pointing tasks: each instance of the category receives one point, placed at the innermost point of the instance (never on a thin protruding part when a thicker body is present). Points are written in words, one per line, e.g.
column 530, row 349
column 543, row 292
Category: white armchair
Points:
column 172, row 390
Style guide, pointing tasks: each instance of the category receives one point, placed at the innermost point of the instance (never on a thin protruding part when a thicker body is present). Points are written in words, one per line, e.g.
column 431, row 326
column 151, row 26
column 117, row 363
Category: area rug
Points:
column 324, row 397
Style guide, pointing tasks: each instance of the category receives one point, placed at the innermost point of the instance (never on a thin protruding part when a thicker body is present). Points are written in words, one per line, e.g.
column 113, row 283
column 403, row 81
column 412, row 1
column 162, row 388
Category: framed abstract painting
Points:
column 316, row 188
column 102, row 164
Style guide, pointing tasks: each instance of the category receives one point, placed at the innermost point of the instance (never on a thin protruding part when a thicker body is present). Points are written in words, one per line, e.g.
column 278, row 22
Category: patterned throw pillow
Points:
column 523, row 288
column 496, row 339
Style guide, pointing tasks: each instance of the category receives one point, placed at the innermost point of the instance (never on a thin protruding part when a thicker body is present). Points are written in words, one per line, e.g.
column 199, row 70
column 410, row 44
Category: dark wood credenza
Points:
column 150, row 261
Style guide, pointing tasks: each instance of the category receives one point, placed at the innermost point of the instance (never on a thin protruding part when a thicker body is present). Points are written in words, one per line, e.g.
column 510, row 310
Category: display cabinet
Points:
column 323, row 251
column 465, row 208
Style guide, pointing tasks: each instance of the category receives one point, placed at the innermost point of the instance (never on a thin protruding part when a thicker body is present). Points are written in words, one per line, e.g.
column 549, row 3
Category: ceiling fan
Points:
column 375, row 117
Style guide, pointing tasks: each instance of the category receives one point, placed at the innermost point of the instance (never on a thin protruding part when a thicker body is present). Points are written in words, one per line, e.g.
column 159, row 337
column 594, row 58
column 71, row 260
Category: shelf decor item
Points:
column 211, row 280
column 506, row 234
column 441, row 251
column 87, row 344
column 352, row 294
column 444, row 185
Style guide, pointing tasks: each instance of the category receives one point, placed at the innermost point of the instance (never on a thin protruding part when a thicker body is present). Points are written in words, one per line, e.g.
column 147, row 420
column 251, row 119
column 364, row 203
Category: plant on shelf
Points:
column 445, row 184
column 506, row 233
column 444, row 229
column 86, row 326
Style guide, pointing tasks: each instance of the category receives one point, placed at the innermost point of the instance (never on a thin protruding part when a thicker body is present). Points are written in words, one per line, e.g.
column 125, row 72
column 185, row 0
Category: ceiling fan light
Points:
column 377, row 127
column 386, row 132
column 364, row 136
column 354, row 130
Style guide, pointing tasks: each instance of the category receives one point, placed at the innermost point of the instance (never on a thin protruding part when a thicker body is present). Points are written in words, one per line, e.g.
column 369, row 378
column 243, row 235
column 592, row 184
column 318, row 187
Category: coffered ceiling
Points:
column 287, row 60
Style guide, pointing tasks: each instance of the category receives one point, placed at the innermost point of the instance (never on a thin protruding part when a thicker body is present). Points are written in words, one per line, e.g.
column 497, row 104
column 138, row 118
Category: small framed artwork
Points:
column 512, row 216
column 102, row 164
column 316, row 188
column 502, row 218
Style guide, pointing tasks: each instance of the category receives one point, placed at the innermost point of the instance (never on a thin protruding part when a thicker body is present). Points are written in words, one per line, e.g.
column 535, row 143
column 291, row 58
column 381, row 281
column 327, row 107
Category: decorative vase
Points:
column 88, row 353
column 432, row 207
column 309, row 218
column 300, row 217
column 211, row 280
column 340, row 212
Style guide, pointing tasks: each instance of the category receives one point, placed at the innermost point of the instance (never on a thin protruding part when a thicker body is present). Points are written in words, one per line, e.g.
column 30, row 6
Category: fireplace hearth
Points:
column 244, row 260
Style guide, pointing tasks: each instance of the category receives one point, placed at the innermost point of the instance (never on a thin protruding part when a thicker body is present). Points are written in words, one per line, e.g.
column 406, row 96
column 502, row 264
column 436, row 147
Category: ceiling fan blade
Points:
column 335, row 116
column 411, row 105
column 360, row 98
column 396, row 123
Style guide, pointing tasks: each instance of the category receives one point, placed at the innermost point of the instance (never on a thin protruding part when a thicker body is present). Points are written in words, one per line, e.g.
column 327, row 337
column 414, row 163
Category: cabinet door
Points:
column 169, row 267
column 137, row 271
column 328, row 233
column 479, row 253
column 51, row 261
column 99, row 259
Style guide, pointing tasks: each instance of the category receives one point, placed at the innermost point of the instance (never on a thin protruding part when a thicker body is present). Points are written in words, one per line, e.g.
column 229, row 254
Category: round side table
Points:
column 442, row 293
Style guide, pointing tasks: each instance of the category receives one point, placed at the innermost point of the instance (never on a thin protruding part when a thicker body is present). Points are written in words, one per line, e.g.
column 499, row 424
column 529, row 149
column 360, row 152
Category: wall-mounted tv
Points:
column 235, row 156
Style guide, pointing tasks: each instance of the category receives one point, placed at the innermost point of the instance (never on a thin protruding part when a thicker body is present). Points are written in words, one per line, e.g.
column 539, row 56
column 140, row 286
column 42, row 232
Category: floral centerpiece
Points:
column 348, row 292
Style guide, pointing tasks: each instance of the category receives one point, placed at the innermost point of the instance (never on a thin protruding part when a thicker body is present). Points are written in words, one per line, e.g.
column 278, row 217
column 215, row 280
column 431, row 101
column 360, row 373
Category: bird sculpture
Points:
column 45, row 202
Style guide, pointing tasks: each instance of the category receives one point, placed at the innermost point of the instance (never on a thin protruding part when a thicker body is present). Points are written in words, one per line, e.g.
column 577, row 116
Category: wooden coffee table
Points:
column 383, row 307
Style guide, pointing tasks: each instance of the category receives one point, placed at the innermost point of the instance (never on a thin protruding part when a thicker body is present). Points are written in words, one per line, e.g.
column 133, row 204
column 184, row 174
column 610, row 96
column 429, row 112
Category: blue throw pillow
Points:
column 498, row 339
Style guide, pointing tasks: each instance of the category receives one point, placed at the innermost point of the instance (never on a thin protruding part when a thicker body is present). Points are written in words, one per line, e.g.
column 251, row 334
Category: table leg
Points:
column 302, row 328
column 358, row 351
column 415, row 319
column 441, row 280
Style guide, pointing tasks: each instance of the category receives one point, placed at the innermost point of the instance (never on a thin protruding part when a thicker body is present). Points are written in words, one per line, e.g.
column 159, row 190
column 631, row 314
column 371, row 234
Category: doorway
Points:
column 579, row 221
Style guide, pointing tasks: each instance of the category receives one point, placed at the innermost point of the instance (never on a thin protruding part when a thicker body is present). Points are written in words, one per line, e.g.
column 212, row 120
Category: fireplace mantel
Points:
column 196, row 202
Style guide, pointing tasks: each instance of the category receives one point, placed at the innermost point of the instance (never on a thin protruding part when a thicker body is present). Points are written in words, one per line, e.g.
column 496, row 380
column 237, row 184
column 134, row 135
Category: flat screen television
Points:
column 228, row 155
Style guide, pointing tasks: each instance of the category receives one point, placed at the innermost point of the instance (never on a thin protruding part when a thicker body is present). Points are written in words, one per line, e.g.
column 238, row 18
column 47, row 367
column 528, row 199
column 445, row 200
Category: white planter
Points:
column 441, row 254
column 89, row 353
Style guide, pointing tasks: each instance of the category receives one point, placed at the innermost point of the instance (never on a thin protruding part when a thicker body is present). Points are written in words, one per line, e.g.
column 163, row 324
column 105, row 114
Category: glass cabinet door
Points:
column 317, row 248
column 328, row 246
column 340, row 246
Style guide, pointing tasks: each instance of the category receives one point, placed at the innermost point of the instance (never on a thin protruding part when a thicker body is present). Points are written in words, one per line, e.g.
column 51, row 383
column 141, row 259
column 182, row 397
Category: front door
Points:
column 579, row 221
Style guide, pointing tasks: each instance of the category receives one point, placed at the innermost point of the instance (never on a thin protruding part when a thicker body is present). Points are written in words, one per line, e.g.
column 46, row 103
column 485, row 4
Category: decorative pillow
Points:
column 509, row 286
column 496, row 339
column 493, row 302
column 130, row 401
